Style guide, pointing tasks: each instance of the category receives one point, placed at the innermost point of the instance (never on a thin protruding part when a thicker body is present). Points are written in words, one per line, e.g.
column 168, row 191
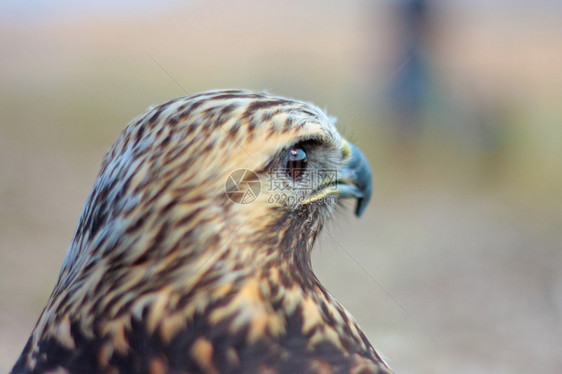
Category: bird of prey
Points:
column 170, row 271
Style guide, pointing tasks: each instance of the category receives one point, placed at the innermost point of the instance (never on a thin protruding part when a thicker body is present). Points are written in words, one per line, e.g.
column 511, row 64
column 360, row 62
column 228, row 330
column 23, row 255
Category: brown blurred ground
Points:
column 465, row 236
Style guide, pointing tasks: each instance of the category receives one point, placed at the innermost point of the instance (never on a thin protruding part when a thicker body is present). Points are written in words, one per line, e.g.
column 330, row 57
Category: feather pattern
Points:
column 166, row 274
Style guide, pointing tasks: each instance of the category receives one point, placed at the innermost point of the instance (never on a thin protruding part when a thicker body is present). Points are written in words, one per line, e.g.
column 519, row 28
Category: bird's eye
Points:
column 295, row 162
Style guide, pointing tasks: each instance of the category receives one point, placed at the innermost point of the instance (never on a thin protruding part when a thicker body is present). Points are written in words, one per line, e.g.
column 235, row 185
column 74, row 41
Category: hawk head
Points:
column 193, row 248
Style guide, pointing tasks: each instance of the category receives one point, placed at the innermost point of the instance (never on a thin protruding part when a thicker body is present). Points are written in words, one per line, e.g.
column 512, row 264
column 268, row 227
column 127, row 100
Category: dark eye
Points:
column 295, row 162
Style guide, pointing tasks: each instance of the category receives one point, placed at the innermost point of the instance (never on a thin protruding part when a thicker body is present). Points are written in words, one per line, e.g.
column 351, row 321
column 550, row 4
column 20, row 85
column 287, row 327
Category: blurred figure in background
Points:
column 409, row 89
column 478, row 129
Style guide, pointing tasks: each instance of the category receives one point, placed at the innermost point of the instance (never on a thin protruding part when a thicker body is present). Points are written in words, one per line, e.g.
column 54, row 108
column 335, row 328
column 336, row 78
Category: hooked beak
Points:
column 354, row 178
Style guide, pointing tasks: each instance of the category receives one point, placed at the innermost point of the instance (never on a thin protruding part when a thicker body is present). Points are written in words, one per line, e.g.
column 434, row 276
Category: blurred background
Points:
column 457, row 105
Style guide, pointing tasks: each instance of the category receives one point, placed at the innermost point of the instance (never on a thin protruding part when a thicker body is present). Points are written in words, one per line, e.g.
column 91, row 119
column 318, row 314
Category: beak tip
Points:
column 360, row 208
column 362, row 204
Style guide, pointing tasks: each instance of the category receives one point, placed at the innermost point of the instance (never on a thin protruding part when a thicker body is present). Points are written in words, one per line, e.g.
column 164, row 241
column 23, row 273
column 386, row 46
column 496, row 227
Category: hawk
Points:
column 170, row 272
